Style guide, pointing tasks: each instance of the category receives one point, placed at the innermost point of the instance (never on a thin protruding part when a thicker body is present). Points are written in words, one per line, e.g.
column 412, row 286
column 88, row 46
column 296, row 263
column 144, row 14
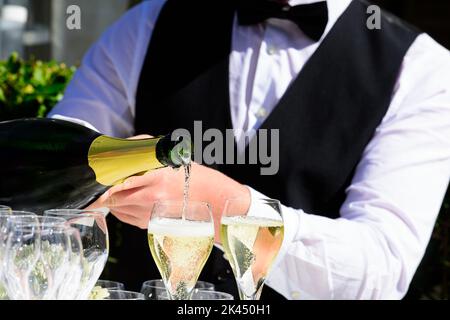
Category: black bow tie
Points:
column 311, row 18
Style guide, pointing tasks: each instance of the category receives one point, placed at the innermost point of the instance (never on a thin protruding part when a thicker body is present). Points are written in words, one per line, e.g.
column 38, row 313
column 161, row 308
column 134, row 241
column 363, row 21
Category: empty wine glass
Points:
column 124, row 295
column 110, row 285
column 181, row 238
column 95, row 242
column 200, row 285
column 72, row 279
column 152, row 292
column 211, row 295
column 152, row 288
column 251, row 241
column 36, row 257
column 5, row 210
column 5, row 214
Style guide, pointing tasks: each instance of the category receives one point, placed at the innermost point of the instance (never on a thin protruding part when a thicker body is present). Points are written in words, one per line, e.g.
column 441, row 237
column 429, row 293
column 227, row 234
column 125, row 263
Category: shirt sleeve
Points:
column 102, row 93
column 373, row 250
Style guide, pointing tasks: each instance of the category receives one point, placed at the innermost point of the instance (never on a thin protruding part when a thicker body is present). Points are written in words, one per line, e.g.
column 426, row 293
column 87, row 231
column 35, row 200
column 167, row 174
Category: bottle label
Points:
column 113, row 160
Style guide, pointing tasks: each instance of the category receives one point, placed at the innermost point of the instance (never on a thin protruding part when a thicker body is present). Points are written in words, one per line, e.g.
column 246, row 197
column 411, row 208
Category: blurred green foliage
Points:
column 31, row 88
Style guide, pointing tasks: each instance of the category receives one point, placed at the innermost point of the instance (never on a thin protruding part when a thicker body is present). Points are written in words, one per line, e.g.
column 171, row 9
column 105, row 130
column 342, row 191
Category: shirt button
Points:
column 261, row 113
column 295, row 295
column 271, row 50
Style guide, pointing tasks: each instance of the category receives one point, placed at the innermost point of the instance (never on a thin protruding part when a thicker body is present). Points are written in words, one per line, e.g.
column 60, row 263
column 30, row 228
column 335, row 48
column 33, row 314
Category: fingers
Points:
column 128, row 219
column 141, row 197
column 150, row 178
column 140, row 137
column 134, row 215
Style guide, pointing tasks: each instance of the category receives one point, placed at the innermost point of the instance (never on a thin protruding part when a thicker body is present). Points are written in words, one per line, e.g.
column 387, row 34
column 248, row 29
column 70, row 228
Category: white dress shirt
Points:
column 373, row 250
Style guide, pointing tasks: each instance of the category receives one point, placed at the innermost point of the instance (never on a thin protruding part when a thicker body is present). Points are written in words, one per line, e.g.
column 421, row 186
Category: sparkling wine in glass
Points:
column 181, row 237
column 251, row 242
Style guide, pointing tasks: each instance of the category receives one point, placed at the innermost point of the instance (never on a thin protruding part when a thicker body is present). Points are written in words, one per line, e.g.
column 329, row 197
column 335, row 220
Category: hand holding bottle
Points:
column 132, row 201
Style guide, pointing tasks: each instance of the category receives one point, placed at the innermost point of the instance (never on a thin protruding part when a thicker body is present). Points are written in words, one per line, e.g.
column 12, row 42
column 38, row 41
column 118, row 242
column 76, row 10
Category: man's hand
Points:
column 132, row 201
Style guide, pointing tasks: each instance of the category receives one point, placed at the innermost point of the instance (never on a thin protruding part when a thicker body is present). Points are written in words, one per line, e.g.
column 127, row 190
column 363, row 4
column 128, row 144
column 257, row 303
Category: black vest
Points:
column 326, row 118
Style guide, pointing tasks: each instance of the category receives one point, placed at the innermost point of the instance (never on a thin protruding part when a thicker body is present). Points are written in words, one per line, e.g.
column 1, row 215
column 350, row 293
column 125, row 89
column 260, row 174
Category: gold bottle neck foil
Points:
column 113, row 160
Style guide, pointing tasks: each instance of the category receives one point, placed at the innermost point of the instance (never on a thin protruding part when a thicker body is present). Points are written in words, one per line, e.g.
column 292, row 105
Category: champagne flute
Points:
column 251, row 243
column 155, row 289
column 5, row 214
column 181, row 238
column 36, row 257
column 95, row 242
column 72, row 278
column 211, row 295
column 158, row 293
column 110, row 285
column 124, row 295
column 5, row 210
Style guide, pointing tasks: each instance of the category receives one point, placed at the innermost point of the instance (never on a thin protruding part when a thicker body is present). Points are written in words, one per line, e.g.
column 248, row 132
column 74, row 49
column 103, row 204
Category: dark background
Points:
column 431, row 16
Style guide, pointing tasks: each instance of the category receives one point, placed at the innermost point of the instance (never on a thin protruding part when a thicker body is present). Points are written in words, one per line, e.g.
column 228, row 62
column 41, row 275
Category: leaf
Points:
column 2, row 96
column 42, row 111
column 38, row 76
column 31, row 88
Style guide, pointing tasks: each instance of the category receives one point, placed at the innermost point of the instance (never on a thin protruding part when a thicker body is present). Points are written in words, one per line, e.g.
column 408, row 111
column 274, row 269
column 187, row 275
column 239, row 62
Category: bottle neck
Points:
column 114, row 160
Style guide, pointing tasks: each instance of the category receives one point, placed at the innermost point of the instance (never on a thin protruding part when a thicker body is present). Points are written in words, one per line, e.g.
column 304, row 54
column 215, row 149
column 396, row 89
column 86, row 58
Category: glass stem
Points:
column 255, row 296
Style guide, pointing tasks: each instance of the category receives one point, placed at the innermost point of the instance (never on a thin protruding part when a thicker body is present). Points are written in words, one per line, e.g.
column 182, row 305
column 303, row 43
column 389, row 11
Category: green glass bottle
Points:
column 49, row 163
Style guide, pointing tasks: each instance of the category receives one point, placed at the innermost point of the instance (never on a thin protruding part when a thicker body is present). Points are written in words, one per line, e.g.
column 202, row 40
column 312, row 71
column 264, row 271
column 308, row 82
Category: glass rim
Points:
column 127, row 292
column 72, row 213
column 15, row 213
column 181, row 202
column 240, row 198
column 56, row 220
column 274, row 203
column 147, row 283
column 44, row 228
column 213, row 292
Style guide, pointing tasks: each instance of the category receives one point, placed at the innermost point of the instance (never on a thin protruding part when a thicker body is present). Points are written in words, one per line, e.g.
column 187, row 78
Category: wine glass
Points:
column 181, row 237
column 5, row 210
column 95, row 242
column 211, row 295
column 110, row 285
column 72, row 278
column 152, row 289
column 154, row 292
column 124, row 295
column 251, row 240
column 5, row 214
column 36, row 257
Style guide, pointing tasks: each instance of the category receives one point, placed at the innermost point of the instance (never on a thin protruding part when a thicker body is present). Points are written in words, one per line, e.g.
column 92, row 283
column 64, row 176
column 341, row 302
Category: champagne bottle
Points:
column 49, row 163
